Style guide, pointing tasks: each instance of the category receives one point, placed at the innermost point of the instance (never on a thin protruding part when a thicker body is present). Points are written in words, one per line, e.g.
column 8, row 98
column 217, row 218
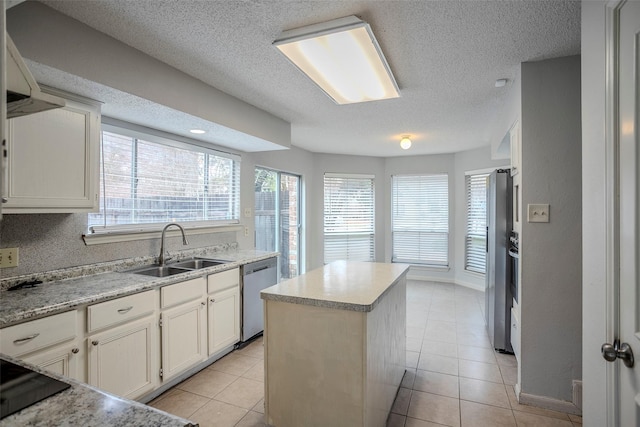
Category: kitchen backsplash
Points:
column 54, row 241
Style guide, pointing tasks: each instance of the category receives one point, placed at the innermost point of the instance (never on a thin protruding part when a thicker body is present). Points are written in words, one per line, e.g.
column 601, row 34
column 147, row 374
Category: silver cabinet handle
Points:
column 95, row 342
column 125, row 310
column 212, row 300
column 75, row 351
column 25, row 339
column 203, row 303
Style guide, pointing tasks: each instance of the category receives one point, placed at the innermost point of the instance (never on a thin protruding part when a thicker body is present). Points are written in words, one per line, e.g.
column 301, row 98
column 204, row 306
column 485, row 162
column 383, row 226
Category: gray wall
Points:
column 551, row 253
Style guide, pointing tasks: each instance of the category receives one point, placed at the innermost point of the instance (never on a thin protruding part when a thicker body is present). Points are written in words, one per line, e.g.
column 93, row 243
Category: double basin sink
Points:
column 156, row 270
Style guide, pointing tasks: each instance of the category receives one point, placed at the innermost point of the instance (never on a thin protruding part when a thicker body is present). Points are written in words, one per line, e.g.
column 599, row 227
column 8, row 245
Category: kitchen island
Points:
column 335, row 345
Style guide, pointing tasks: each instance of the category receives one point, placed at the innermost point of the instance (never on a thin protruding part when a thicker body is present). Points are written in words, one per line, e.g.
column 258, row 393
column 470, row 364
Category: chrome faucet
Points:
column 161, row 258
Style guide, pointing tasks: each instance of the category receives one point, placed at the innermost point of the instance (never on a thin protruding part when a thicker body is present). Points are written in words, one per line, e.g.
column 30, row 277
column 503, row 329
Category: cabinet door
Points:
column 120, row 359
column 224, row 319
column 61, row 360
column 183, row 337
column 53, row 161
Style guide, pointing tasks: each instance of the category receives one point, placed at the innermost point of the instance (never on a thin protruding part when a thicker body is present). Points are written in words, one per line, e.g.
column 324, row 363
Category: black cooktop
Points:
column 21, row 387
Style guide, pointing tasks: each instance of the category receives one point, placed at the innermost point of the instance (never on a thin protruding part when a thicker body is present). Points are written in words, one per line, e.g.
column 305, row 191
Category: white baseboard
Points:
column 422, row 278
column 470, row 285
column 577, row 393
column 548, row 403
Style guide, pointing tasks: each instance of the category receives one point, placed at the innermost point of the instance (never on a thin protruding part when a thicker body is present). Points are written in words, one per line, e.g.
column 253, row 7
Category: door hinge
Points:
column 160, row 322
column 161, row 373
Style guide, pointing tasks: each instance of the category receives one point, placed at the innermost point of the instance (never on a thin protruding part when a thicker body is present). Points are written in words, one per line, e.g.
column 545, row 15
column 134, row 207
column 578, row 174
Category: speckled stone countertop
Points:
column 342, row 285
column 57, row 294
column 83, row 405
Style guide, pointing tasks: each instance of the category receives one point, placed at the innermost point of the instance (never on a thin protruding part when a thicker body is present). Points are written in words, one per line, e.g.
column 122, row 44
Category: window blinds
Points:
column 420, row 219
column 348, row 217
column 145, row 182
column 476, row 237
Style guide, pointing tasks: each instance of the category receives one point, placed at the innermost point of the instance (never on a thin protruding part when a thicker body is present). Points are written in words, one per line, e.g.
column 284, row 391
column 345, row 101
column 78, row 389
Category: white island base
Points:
column 335, row 345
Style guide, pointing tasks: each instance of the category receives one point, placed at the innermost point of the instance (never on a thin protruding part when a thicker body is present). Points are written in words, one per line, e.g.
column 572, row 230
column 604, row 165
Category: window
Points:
column 348, row 217
column 420, row 219
column 476, row 236
column 148, row 179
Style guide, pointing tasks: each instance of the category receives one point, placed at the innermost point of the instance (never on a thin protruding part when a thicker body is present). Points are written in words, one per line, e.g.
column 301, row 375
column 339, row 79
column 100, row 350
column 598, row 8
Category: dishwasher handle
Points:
column 258, row 266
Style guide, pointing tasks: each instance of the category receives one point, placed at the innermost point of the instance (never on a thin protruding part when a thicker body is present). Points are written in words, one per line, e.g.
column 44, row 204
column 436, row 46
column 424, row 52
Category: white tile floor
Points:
column 454, row 378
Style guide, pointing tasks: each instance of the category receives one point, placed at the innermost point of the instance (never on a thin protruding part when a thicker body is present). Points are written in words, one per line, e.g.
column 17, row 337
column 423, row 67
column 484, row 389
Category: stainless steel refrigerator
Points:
column 498, row 298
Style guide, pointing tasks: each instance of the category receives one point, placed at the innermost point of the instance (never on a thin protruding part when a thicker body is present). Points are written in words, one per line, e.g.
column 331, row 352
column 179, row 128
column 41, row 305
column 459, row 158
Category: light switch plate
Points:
column 247, row 212
column 8, row 257
column 537, row 213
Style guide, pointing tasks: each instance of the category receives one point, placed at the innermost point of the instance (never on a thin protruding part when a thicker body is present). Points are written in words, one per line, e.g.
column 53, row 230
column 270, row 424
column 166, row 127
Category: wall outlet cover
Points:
column 247, row 212
column 537, row 213
column 8, row 257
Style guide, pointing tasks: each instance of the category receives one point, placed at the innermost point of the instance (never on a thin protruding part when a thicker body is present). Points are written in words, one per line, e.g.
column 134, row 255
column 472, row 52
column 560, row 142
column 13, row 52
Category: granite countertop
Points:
column 57, row 295
column 83, row 405
column 343, row 285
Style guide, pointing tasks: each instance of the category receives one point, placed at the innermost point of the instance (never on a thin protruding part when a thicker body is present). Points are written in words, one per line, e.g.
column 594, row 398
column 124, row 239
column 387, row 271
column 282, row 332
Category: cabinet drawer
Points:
column 181, row 292
column 119, row 310
column 223, row 280
column 27, row 337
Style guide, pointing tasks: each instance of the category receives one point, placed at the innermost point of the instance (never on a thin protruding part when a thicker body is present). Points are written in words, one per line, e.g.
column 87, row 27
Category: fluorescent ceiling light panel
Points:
column 343, row 58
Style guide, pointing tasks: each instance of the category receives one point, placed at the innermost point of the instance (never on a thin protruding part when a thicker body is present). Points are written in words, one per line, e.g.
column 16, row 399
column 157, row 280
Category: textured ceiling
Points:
column 445, row 55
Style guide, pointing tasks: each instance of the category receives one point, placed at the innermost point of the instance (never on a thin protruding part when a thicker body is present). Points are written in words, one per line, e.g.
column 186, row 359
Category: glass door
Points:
column 277, row 216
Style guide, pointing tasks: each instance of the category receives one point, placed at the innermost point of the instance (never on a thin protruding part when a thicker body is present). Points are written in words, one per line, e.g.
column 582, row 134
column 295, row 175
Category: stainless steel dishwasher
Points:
column 256, row 276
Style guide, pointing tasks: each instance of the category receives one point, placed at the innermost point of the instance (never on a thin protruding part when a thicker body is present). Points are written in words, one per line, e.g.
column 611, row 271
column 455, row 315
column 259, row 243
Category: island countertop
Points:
column 343, row 285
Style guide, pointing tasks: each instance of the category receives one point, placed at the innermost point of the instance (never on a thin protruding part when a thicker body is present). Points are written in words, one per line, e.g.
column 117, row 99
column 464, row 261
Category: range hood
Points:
column 23, row 93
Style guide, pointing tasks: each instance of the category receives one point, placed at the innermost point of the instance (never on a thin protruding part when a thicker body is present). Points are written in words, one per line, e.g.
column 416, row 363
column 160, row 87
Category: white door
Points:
column 628, row 374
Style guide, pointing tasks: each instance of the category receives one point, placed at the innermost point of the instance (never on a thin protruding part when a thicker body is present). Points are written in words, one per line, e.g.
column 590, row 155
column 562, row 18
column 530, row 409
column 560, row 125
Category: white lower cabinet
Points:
column 120, row 359
column 122, row 345
column 61, row 360
column 224, row 319
column 184, row 336
column 50, row 343
column 136, row 342
column 224, row 309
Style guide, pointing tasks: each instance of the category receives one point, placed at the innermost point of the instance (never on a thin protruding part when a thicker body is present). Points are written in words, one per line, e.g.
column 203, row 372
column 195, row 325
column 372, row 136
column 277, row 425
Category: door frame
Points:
column 612, row 207
column 278, row 221
column 600, row 23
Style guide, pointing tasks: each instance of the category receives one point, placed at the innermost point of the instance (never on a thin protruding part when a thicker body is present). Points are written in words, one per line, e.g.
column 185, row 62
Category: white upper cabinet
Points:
column 54, row 161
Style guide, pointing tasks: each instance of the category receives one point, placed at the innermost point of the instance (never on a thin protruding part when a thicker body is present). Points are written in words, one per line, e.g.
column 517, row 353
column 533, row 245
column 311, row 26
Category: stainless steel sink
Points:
column 160, row 271
column 176, row 267
column 198, row 263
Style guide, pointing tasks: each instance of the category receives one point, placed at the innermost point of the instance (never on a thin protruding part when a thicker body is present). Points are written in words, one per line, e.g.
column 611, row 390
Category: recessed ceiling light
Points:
column 501, row 82
column 197, row 131
column 343, row 57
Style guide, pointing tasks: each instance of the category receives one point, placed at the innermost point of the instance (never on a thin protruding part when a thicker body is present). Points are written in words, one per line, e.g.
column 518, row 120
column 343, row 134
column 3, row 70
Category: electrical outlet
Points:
column 8, row 257
column 246, row 232
column 247, row 212
column 538, row 213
